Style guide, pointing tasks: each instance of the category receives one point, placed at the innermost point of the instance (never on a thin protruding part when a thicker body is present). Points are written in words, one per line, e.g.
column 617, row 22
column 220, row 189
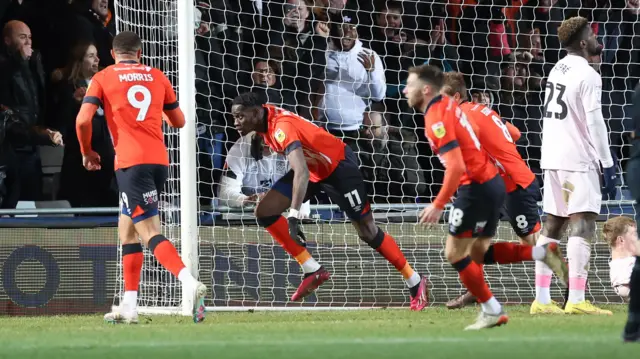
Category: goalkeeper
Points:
column 250, row 170
column 632, row 328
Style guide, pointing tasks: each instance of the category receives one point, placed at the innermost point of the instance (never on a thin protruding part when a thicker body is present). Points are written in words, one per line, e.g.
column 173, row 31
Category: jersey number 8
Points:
column 141, row 105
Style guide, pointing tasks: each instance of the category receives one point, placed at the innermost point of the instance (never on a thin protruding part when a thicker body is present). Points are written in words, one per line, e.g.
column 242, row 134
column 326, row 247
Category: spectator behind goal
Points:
column 621, row 235
column 250, row 171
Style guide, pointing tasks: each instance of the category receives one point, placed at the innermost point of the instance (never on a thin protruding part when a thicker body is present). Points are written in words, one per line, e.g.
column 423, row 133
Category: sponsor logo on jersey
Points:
column 280, row 136
column 438, row 129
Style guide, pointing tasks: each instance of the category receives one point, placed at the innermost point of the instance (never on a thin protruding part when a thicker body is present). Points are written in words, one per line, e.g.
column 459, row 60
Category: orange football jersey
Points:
column 496, row 140
column 133, row 97
column 446, row 127
column 287, row 131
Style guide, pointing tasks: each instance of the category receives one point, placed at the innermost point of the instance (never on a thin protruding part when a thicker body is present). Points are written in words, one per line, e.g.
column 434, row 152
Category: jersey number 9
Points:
column 143, row 104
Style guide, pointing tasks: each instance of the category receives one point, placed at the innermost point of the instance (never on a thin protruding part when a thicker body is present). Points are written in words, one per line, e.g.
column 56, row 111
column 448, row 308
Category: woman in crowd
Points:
column 79, row 186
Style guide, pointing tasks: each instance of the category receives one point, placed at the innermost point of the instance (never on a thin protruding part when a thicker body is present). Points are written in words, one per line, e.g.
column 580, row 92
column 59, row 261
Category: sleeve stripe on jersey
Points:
column 92, row 100
column 292, row 146
column 448, row 147
column 171, row 106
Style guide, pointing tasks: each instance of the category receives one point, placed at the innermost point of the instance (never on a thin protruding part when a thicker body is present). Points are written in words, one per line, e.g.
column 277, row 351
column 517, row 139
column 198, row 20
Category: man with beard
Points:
column 574, row 144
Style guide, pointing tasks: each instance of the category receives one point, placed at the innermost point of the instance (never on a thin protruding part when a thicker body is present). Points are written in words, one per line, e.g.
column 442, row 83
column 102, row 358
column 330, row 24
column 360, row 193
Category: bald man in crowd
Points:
column 22, row 89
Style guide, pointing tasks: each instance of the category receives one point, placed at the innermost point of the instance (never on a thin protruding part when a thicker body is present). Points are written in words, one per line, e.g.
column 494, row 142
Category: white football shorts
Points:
column 568, row 192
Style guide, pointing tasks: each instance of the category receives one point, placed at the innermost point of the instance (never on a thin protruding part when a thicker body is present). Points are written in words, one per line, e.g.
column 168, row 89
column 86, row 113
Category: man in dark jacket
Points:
column 22, row 89
column 632, row 328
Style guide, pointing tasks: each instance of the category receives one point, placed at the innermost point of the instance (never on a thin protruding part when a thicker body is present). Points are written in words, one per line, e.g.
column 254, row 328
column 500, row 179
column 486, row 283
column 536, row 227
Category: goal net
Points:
column 293, row 52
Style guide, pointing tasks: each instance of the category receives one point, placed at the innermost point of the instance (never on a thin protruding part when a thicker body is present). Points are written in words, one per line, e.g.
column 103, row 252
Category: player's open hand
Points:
column 430, row 215
column 55, row 137
column 91, row 161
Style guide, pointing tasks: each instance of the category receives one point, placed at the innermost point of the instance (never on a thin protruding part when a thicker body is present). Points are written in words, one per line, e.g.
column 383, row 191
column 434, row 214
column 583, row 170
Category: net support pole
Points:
column 188, row 170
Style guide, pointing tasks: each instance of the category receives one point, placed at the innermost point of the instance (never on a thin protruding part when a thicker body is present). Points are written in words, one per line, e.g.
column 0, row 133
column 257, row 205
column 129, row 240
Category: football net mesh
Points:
column 504, row 53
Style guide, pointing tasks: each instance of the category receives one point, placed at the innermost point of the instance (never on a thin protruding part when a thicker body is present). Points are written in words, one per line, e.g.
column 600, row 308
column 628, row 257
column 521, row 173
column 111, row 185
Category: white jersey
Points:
column 244, row 176
column 573, row 89
column 620, row 274
column 254, row 176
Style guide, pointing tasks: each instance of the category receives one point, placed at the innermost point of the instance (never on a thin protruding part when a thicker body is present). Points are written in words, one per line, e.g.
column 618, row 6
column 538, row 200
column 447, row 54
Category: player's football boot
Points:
column 585, row 307
column 631, row 332
column 462, row 301
column 198, row 302
column 310, row 283
column 554, row 259
column 422, row 297
column 551, row 308
column 119, row 316
column 485, row 321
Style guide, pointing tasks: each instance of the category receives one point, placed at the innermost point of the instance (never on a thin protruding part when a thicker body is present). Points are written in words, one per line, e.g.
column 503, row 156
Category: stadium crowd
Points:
column 339, row 63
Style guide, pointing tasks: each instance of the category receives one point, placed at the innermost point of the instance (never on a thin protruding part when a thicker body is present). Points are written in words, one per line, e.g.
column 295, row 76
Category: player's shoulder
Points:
column 438, row 108
column 240, row 150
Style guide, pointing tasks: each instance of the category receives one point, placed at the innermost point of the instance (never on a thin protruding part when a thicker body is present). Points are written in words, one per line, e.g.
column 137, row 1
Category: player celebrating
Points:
column 476, row 210
column 134, row 97
column 497, row 138
column 574, row 140
column 318, row 161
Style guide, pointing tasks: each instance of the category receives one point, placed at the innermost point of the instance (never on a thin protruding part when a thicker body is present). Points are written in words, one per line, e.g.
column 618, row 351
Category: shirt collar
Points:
column 434, row 100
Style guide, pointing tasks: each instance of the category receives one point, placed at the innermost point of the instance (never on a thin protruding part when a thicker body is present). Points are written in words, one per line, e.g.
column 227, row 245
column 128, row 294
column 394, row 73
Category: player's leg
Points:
column 555, row 202
column 475, row 214
column 581, row 235
column 139, row 194
column 132, row 259
column 583, row 207
column 346, row 187
column 269, row 215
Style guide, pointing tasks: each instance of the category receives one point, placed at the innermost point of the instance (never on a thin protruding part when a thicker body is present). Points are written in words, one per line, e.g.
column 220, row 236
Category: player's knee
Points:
column 583, row 229
column 147, row 228
column 372, row 236
column 479, row 250
column 456, row 252
column 552, row 228
column 267, row 221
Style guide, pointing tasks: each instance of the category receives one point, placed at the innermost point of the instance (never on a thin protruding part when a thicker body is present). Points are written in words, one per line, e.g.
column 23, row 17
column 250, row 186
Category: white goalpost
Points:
column 239, row 262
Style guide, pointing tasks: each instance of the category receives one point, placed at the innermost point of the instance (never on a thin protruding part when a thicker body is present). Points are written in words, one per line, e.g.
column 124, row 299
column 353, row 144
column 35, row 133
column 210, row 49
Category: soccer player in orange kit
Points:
column 475, row 212
column 318, row 160
column 497, row 138
column 134, row 97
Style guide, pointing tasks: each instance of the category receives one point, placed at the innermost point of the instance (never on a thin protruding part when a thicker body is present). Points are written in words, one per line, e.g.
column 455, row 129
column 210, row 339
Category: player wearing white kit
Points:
column 250, row 171
column 621, row 235
column 574, row 145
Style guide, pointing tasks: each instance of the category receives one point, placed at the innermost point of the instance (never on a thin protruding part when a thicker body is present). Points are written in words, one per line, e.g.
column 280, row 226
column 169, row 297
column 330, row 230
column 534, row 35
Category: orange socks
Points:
column 392, row 253
column 472, row 277
column 166, row 254
column 505, row 253
column 132, row 259
column 278, row 228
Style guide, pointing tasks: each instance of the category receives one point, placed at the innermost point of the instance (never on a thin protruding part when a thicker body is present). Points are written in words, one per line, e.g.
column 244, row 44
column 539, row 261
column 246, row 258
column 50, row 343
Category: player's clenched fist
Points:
column 91, row 161
column 430, row 214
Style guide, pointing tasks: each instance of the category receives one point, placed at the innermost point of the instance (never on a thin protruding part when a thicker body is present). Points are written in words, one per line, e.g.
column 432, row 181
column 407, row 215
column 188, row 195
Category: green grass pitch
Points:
column 392, row 333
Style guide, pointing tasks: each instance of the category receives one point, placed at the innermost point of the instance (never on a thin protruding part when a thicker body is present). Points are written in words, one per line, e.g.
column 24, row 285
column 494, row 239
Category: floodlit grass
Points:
column 434, row 333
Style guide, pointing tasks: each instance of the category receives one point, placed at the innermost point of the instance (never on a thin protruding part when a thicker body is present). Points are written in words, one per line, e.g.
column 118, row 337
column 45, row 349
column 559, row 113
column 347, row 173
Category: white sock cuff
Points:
column 542, row 240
